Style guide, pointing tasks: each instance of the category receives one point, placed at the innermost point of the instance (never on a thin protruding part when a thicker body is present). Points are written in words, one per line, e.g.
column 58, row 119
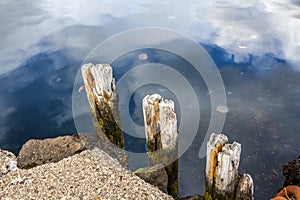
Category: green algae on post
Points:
column 162, row 137
column 223, row 181
column 103, row 100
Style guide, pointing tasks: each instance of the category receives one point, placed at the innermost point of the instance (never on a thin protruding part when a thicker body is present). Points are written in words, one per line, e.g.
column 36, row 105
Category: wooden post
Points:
column 245, row 188
column 214, row 146
column 162, row 137
column 103, row 100
column 222, row 178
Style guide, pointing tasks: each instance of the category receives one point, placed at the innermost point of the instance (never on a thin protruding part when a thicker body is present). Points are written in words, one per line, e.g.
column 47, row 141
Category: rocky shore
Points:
column 84, row 166
column 71, row 167
column 91, row 174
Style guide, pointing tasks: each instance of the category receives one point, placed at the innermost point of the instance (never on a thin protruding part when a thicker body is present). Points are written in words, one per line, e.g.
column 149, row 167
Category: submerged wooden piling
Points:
column 162, row 137
column 245, row 188
column 223, row 181
column 103, row 100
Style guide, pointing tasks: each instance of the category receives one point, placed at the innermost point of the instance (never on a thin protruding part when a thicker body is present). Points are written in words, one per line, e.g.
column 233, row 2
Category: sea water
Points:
column 254, row 45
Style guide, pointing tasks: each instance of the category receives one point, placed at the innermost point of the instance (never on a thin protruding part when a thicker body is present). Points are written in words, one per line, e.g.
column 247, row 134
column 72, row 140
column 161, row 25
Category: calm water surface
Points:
column 255, row 45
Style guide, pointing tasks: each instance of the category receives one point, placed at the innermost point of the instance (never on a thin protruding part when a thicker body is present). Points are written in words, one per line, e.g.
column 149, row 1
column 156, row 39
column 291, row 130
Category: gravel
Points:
column 91, row 174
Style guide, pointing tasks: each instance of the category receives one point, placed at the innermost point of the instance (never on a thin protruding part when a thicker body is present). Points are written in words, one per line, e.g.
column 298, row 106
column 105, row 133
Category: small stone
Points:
column 12, row 165
column 8, row 162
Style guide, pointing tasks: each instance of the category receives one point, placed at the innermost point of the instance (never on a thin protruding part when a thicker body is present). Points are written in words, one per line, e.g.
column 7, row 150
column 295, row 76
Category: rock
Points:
column 87, row 175
column 194, row 197
column 290, row 192
column 94, row 141
column 155, row 175
column 291, row 171
column 37, row 152
column 8, row 162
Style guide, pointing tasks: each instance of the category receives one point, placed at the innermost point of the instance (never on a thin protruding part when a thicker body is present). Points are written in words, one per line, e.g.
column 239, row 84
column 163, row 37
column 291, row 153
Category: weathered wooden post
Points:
column 223, row 181
column 162, row 137
column 245, row 188
column 103, row 100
